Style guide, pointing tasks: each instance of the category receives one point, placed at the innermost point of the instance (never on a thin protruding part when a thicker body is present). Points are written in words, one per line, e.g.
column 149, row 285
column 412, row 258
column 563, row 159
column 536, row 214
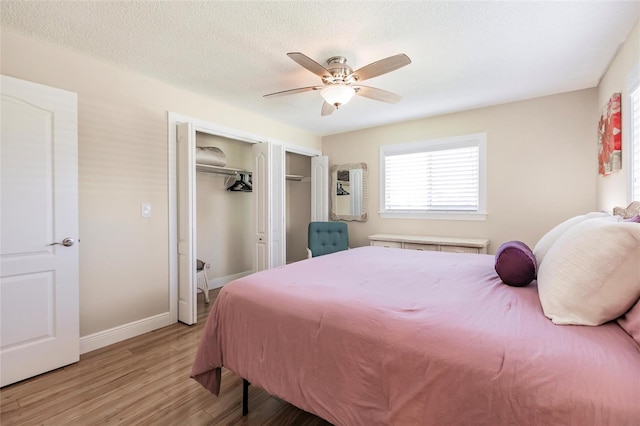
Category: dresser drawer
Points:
column 458, row 249
column 421, row 247
column 426, row 243
column 389, row 244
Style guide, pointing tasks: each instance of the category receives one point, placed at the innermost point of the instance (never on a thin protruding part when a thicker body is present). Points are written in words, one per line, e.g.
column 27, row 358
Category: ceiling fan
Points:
column 340, row 83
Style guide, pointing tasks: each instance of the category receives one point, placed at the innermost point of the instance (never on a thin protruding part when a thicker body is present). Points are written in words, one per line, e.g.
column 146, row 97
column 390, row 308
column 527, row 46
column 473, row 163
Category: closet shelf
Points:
column 228, row 171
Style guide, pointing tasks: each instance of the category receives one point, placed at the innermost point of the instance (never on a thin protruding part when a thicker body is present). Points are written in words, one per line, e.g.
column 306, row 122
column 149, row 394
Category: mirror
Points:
column 349, row 192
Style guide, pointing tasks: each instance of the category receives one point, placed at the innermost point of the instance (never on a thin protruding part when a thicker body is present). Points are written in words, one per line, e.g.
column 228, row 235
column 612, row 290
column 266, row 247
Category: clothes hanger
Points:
column 243, row 184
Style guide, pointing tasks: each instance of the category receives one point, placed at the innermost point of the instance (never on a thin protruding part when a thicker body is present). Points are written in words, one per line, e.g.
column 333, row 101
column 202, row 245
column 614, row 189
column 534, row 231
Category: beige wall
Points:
column 612, row 190
column 540, row 167
column 224, row 218
column 122, row 119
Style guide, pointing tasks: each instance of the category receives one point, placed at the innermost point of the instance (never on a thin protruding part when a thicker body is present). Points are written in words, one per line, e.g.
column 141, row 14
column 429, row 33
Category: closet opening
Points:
column 298, row 205
column 224, row 212
column 231, row 215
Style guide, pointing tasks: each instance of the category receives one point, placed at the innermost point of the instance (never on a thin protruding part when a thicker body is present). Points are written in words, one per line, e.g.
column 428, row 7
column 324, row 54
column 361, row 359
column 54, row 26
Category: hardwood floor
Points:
column 143, row 380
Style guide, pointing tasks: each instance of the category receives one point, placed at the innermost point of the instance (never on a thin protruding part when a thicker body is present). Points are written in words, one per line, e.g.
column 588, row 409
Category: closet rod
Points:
column 294, row 177
column 227, row 171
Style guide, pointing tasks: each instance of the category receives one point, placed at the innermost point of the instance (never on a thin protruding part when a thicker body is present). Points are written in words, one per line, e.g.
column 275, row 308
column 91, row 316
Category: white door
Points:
column 320, row 188
column 39, row 310
column 262, row 206
column 186, row 168
column 278, row 217
column 268, row 198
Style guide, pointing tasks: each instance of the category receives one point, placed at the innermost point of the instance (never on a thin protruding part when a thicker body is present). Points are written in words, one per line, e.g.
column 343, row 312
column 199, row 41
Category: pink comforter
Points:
column 378, row 336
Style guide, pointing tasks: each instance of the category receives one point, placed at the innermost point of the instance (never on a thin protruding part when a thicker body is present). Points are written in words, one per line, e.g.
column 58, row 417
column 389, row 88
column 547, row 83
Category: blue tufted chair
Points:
column 327, row 237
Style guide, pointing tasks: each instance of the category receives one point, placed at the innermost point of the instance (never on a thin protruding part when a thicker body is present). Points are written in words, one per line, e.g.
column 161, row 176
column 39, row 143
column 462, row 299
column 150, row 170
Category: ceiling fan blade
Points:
column 382, row 66
column 327, row 109
column 292, row 91
column 310, row 64
column 377, row 94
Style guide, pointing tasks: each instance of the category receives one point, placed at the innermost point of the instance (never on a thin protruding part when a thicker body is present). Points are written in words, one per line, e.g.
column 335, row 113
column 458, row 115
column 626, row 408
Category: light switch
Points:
column 145, row 210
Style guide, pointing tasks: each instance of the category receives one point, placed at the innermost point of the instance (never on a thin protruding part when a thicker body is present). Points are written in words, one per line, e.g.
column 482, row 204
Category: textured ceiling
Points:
column 464, row 55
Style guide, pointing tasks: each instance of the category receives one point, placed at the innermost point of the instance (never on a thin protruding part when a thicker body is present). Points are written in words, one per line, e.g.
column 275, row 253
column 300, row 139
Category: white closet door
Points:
column 185, row 153
column 39, row 292
column 320, row 188
column 278, row 225
column 268, row 195
column 262, row 209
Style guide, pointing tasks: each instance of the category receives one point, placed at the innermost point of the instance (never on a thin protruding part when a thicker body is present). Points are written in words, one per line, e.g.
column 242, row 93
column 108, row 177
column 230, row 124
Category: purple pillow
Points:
column 636, row 219
column 515, row 264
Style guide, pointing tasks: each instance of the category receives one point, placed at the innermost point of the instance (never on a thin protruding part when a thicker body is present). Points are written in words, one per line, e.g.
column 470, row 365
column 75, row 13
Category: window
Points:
column 634, row 138
column 437, row 179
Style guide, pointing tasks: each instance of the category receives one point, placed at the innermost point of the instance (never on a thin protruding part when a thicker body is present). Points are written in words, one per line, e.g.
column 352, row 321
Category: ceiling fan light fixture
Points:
column 338, row 77
column 337, row 94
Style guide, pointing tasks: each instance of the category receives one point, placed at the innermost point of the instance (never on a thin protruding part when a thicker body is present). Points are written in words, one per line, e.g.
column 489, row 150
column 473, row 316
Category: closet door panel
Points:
column 277, row 187
column 262, row 209
column 320, row 188
column 186, row 140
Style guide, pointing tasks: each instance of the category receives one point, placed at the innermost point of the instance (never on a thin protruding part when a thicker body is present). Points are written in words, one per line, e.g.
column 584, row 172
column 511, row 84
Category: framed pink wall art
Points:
column 610, row 137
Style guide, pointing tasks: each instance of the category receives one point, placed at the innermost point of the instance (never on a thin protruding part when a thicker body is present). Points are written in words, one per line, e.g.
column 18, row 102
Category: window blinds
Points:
column 436, row 180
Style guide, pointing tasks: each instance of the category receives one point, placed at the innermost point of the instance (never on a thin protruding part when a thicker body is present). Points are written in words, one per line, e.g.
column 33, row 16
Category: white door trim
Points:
column 295, row 149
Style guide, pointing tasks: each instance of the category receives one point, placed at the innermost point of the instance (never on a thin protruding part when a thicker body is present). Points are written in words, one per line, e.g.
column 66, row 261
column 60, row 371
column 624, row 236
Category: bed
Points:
column 380, row 336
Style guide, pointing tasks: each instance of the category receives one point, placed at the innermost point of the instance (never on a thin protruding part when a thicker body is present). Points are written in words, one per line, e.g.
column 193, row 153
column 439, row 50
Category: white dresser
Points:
column 420, row 242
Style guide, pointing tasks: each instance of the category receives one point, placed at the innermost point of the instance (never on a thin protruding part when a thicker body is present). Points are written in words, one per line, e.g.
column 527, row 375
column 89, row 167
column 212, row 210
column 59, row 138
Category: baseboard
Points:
column 117, row 334
column 219, row 282
column 126, row 331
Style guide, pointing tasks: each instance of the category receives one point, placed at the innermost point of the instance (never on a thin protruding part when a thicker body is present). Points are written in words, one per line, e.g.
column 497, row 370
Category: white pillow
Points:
column 547, row 240
column 591, row 275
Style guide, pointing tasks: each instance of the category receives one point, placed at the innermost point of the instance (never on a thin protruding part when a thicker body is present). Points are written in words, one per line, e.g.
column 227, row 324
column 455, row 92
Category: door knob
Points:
column 67, row 242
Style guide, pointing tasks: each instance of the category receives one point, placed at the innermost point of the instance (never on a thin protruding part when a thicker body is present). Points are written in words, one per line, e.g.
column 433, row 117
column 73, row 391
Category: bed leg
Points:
column 245, row 397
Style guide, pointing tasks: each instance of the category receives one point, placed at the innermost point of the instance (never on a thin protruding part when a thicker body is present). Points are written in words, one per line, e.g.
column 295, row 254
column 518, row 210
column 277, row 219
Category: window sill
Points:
column 433, row 215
